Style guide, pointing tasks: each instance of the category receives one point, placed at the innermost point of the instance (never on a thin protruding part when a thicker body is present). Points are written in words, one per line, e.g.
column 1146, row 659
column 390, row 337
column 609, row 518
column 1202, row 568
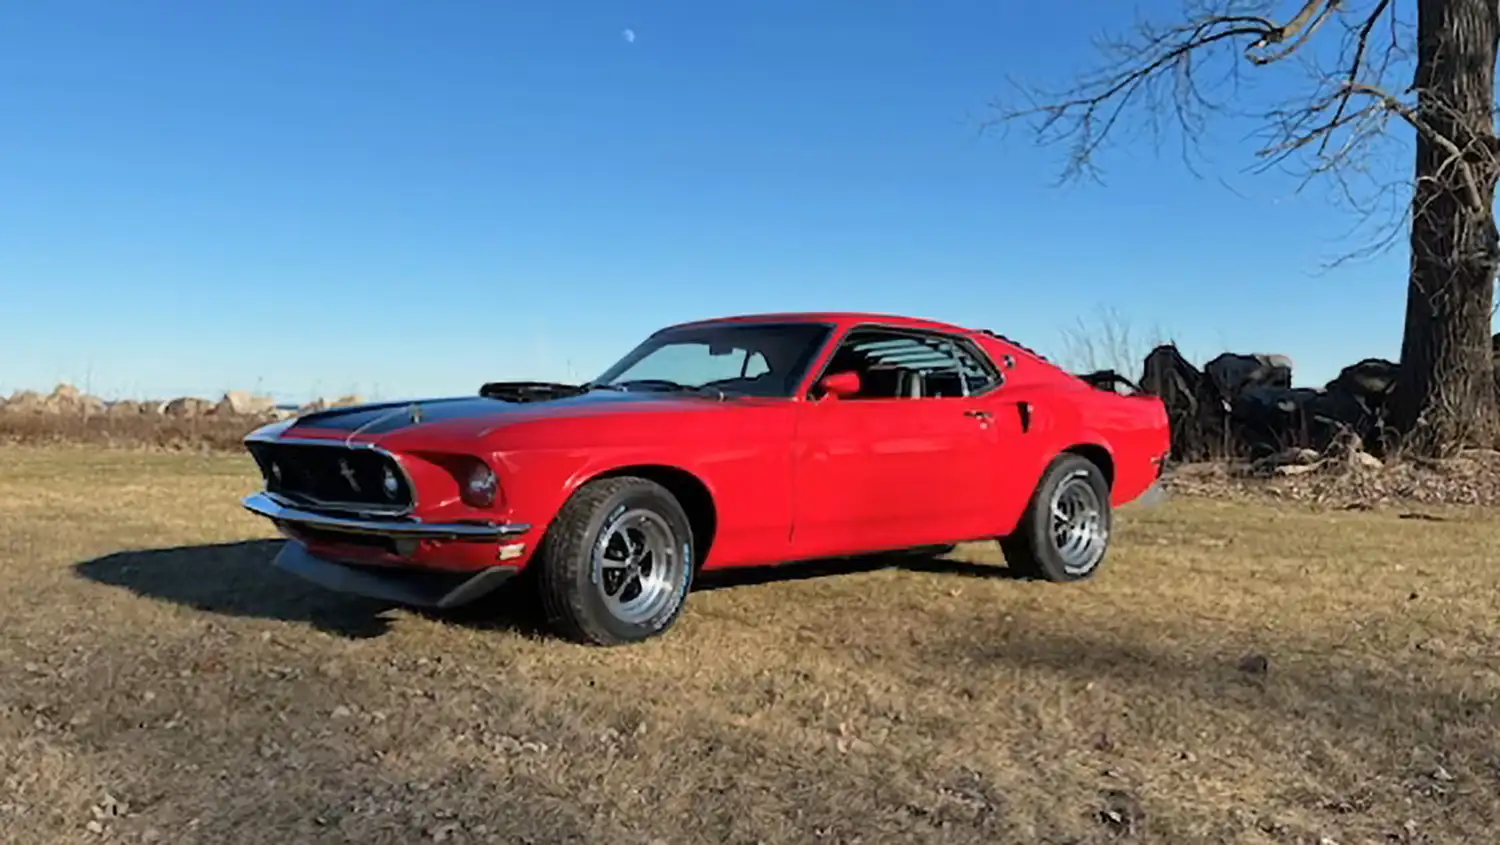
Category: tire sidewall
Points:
column 1063, row 470
column 645, row 496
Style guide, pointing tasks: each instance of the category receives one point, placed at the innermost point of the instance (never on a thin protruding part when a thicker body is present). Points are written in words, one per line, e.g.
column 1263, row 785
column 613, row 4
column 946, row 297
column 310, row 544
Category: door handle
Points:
column 983, row 415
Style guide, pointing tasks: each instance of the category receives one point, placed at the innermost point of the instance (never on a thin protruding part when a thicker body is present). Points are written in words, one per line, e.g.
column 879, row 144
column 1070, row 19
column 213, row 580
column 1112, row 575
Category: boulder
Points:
column 25, row 402
column 1232, row 373
column 242, row 403
column 187, row 407
column 1370, row 380
column 1245, row 404
column 323, row 403
column 67, row 399
column 1196, row 412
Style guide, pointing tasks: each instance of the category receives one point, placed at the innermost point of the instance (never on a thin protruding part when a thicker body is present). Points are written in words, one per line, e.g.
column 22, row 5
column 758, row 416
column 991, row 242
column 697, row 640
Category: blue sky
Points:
column 407, row 199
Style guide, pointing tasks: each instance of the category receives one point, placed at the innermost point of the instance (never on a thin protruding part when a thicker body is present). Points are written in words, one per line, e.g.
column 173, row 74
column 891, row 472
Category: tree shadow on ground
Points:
column 237, row 579
column 1365, row 736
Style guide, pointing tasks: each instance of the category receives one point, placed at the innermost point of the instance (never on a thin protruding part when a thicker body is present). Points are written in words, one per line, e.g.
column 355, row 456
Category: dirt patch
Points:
column 1247, row 671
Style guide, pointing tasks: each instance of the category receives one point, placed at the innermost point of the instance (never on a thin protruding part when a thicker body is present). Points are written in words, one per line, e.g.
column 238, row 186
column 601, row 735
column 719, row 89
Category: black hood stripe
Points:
column 382, row 418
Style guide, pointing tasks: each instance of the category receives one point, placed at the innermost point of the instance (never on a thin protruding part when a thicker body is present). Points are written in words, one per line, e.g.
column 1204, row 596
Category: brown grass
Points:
column 159, row 683
column 206, row 433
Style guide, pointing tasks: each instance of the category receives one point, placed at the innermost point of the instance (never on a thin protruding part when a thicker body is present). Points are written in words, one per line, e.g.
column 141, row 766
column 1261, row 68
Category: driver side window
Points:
column 895, row 364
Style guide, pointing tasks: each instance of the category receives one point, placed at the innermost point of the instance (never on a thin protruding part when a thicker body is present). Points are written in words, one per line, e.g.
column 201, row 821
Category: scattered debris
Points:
column 1255, row 664
column 1351, row 480
column 1121, row 812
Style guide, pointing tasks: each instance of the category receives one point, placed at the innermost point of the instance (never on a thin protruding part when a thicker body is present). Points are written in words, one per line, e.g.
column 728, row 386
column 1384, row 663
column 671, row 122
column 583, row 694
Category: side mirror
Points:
column 840, row 385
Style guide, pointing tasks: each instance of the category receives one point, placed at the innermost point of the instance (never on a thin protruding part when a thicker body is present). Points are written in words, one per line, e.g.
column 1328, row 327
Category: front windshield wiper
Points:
column 666, row 386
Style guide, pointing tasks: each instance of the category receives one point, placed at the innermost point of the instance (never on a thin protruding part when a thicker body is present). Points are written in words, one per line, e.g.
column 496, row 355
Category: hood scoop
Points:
column 529, row 391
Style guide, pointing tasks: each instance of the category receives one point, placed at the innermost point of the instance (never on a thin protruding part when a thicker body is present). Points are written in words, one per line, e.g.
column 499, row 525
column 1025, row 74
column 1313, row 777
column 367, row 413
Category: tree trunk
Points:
column 1445, row 393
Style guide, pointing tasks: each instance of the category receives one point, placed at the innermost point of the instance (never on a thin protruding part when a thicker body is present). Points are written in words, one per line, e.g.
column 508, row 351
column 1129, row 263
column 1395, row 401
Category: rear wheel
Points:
column 1064, row 533
column 617, row 563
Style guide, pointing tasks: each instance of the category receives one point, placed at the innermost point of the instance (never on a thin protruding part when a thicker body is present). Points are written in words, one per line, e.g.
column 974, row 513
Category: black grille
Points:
column 333, row 476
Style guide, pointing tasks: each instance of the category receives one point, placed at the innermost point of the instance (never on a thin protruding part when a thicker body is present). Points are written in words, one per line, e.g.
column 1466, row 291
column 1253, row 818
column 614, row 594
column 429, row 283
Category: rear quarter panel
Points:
column 1066, row 413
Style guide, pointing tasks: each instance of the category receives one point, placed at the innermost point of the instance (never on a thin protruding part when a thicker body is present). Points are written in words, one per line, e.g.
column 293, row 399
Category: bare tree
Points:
column 1111, row 343
column 1332, row 130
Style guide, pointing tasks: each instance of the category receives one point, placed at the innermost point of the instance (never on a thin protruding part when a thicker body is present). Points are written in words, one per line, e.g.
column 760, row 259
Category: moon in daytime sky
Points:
column 628, row 35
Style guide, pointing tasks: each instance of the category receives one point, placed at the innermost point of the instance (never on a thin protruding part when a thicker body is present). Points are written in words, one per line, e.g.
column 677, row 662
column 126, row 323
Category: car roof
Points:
column 841, row 319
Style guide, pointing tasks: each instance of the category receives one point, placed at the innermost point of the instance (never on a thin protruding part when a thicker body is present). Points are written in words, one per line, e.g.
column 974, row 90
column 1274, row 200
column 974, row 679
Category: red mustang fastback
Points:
column 745, row 441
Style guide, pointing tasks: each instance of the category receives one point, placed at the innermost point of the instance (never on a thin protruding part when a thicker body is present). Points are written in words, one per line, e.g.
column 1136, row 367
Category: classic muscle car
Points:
column 733, row 442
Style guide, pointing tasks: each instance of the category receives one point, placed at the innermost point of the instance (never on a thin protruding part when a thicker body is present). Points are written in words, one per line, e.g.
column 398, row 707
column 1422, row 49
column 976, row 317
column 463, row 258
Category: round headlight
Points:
column 479, row 490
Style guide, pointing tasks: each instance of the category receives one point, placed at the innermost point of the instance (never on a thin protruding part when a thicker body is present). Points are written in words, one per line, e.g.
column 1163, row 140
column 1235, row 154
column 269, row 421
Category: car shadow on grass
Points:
column 237, row 579
column 932, row 561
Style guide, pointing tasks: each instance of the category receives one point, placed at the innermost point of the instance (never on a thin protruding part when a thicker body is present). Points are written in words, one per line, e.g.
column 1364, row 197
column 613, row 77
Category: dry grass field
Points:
column 1240, row 672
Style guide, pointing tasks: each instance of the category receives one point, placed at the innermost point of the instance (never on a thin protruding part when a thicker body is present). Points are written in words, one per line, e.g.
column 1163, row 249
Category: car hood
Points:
column 474, row 415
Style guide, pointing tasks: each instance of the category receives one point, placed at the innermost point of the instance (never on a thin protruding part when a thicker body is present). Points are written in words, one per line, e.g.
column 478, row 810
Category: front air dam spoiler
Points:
column 408, row 586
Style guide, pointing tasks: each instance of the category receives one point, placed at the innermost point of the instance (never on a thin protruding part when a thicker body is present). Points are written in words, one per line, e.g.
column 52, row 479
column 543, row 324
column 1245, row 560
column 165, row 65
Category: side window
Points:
column 911, row 365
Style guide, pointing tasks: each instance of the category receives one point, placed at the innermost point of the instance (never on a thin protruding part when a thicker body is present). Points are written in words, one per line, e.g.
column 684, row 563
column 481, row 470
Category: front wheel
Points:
column 1064, row 534
column 617, row 563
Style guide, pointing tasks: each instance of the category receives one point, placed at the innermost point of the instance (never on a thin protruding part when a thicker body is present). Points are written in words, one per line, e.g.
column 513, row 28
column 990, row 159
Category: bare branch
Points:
column 1332, row 130
column 1362, row 44
column 1316, row 11
column 1090, row 111
column 1456, row 156
column 1176, row 55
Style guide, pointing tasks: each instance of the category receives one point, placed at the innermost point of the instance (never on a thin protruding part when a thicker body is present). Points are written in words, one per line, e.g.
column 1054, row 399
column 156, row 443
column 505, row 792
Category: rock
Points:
column 1232, row 373
column 323, row 403
column 64, row 399
column 1244, row 406
column 1371, row 378
column 25, row 402
column 187, row 407
column 1255, row 664
column 242, row 403
column 1197, row 414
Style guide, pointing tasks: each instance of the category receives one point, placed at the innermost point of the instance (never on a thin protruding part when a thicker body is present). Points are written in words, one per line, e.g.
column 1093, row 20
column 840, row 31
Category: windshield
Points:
column 755, row 359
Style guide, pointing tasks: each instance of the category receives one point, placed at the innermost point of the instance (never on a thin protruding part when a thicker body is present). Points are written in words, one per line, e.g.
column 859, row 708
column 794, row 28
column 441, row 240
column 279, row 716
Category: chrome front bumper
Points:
column 266, row 505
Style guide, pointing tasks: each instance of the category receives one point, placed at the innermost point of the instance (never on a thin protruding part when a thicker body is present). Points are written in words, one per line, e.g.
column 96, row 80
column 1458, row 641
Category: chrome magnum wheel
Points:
column 616, row 565
column 637, row 567
column 1064, row 534
column 1078, row 524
